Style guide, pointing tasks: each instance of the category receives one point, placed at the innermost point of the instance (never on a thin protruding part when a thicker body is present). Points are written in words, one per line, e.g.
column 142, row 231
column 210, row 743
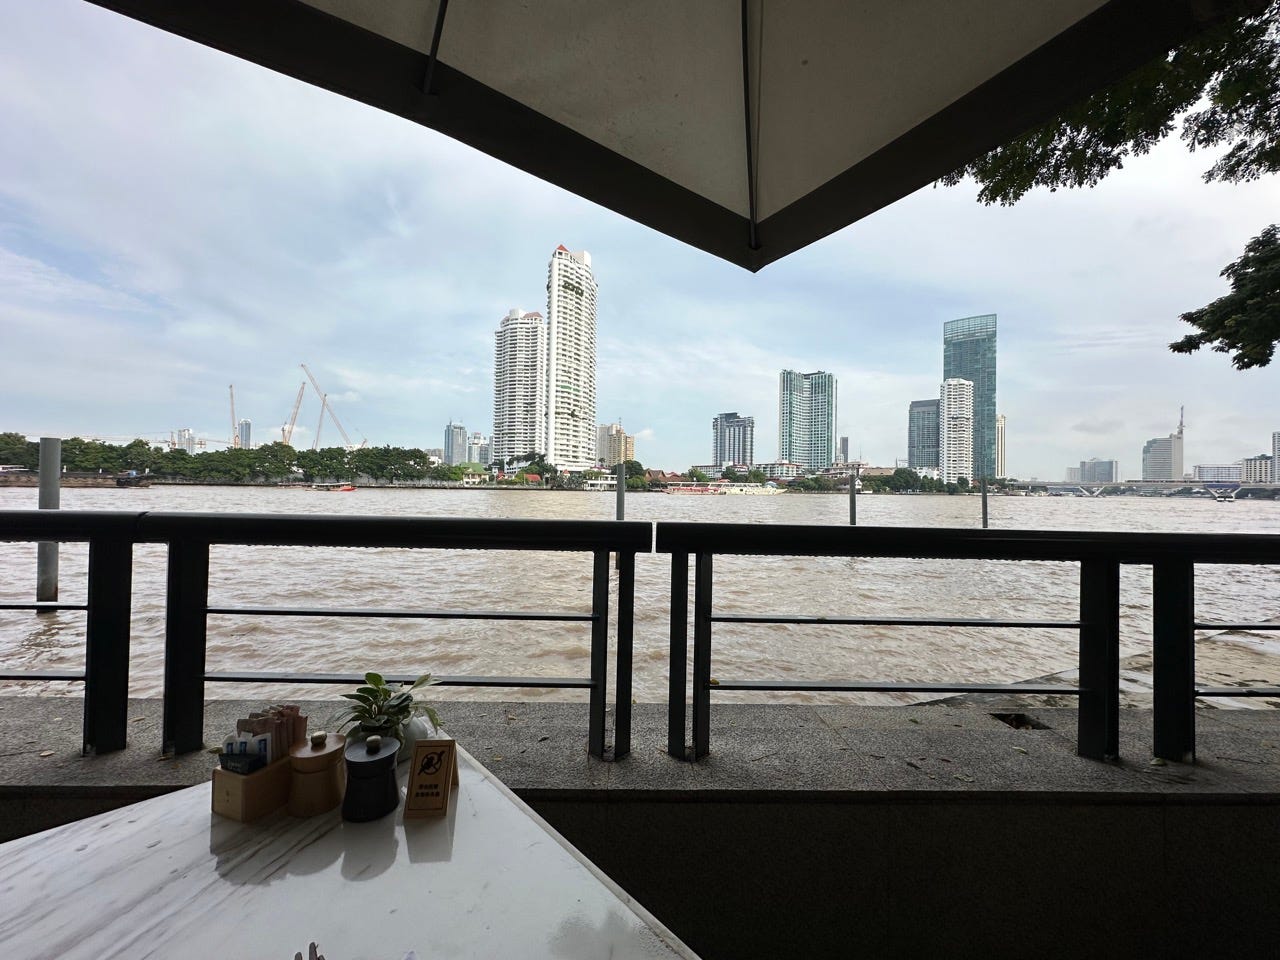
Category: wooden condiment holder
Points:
column 319, row 775
column 247, row 797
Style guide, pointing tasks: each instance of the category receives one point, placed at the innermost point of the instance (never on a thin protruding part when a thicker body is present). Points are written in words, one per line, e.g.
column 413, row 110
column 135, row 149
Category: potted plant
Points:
column 389, row 711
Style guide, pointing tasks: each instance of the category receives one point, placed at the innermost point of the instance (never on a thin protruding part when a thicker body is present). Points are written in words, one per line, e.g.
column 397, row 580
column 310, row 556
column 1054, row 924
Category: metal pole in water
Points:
column 621, row 470
column 49, row 498
column 984, row 503
column 853, row 497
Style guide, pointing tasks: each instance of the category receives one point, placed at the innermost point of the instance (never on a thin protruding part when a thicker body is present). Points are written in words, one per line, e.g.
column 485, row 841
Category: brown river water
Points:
column 429, row 579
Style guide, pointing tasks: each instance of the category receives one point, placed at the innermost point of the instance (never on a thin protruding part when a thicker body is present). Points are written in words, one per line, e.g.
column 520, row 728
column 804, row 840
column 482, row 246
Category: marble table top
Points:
column 168, row 878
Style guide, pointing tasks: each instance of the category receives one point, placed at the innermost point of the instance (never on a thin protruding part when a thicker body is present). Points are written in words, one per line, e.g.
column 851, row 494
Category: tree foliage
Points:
column 1246, row 322
column 1223, row 87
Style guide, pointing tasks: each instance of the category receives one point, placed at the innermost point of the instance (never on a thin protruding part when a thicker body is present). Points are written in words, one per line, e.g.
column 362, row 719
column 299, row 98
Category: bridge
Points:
column 1218, row 489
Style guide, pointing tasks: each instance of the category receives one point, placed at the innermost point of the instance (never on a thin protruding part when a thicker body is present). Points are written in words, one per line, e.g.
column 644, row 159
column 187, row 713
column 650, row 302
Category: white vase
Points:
column 417, row 728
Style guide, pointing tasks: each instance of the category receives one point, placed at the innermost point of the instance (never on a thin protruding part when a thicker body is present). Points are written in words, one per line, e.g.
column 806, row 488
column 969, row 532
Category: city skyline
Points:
column 291, row 223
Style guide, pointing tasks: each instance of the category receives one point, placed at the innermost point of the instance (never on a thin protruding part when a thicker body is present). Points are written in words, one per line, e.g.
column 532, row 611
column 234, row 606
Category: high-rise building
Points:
column 1162, row 456
column 922, row 435
column 955, row 430
column 807, row 419
column 1000, row 466
column 1256, row 469
column 571, row 361
column 186, row 440
column 733, row 439
column 244, row 433
column 1094, row 470
column 969, row 353
column 1073, row 474
column 519, row 387
column 615, row 444
column 455, row 444
column 479, row 450
column 1275, row 457
column 844, row 450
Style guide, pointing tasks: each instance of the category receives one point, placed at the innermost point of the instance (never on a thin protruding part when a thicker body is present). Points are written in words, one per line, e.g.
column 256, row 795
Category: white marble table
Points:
column 167, row 878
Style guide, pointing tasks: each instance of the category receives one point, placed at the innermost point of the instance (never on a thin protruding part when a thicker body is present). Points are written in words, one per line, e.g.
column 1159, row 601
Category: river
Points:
column 551, row 581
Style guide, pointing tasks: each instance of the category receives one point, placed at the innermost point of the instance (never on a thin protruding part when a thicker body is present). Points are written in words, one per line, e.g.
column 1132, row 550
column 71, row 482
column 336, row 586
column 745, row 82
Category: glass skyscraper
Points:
column 969, row 353
column 922, row 435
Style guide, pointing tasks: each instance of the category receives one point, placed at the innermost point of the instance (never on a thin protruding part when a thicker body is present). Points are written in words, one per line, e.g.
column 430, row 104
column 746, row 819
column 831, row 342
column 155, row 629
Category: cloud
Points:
column 188, row 220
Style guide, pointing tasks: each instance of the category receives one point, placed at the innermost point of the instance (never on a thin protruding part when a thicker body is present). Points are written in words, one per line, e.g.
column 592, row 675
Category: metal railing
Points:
column 1172, row 557
column 189, row 536
column 111, row 537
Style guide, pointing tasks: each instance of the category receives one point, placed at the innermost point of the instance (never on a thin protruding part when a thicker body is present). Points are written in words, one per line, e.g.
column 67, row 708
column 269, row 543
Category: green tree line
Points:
column 269, row 463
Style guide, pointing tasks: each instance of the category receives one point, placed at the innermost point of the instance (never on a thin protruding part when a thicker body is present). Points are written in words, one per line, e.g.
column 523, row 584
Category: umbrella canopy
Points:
column 746, row 128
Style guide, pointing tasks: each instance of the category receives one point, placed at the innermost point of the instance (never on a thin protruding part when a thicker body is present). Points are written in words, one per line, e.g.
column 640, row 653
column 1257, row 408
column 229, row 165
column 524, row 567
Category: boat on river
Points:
column 696, row 489
column 751, row 489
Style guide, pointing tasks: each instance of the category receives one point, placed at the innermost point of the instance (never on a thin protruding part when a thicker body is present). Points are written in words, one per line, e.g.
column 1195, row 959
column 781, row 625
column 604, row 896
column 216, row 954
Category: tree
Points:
column 1247, row 320
column 633, row 468
column 697, row 475
column 1225, row 85
column 756, row 475
column 17, row 450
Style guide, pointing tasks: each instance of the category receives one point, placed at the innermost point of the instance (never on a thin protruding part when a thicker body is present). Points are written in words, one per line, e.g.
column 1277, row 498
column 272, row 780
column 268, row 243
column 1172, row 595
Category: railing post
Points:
column 48, row 498
column 701, row 655
column 1174, row 666
column 1098, row 725
column 106, row 668
column 679, row 661
column 599, row 653
column 186, row 630
column 626, row 624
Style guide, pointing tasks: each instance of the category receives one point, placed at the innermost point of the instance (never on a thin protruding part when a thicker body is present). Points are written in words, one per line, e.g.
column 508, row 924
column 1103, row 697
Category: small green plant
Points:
column 385, row 710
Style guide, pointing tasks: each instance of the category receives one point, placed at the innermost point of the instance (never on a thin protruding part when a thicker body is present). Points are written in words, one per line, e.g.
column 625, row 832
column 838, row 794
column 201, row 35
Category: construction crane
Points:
column 324, row 405
column 286, row 432
column 235, row 434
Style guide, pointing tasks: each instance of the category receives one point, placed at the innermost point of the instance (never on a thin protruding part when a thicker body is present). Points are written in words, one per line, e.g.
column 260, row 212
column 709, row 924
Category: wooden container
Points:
column 246, row 798
column 319, row 775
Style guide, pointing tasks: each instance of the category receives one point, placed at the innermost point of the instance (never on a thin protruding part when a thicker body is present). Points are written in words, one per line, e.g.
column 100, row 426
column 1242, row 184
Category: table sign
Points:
column 433, row 774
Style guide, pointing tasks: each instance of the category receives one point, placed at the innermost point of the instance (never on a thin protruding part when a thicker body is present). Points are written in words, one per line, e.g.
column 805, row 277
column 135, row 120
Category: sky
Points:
column 174, row 221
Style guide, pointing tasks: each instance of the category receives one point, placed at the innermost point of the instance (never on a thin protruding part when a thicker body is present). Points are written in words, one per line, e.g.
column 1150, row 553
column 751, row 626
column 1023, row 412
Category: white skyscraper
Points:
column 955, row 430
column 1275, row 457
column 807, row 419
column 571, row 361
column 519, row 386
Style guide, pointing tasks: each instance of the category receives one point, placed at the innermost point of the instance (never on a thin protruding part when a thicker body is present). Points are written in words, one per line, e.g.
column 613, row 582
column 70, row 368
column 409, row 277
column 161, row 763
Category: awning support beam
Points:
column 435, row 47
column 752, row 240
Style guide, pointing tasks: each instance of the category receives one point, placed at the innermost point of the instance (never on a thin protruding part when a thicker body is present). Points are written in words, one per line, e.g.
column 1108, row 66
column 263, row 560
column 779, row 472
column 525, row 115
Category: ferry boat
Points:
column 696, row 489
column 751, row 489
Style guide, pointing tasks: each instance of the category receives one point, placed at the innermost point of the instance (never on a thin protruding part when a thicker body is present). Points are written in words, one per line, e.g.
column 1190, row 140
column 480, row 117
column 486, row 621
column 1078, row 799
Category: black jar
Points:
column 372, row 790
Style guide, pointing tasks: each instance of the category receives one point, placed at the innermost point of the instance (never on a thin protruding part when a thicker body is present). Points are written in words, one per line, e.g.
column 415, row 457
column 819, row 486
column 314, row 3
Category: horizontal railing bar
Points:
column 796, row 540
column 1238, row 691
column 47, row 605
column 310, row 530
column 875, row 686
column 43, row 675
column 893, row 621
column 1238, row 626
column 403, row 614
column 409, row 532
column 253, row 676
